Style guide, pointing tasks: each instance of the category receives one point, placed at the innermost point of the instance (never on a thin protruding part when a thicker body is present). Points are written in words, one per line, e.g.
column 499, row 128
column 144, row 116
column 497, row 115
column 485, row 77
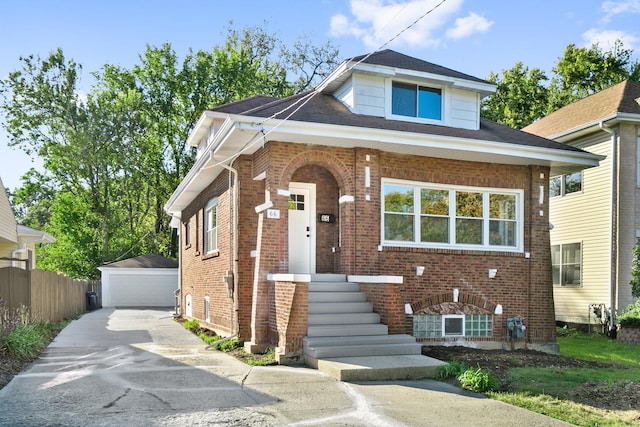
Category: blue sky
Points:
column 472, row 36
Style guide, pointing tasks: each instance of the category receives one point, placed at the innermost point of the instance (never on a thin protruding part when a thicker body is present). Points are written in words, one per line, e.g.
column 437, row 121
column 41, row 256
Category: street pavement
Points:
column 139, row 367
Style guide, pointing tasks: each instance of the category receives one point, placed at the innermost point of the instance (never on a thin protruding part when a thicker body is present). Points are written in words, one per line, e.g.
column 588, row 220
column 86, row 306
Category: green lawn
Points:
column 548, row 390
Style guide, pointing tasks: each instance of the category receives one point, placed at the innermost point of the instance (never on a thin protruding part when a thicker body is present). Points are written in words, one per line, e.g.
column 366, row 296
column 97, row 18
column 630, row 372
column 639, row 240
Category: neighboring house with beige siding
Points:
column 17, row 241
column 595, row 213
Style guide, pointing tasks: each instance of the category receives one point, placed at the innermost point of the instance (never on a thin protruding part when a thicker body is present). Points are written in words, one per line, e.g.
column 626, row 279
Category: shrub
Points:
column 479, row 380
column 192, row 324
column 266, row 359
column 451, row 369
column 229, row 345
column 631, row 316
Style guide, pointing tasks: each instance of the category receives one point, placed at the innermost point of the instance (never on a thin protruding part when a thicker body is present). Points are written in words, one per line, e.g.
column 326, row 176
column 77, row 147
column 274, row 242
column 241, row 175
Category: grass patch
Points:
column 598, row 348
column 561, row 382
column 571, row 412
column 267, row 358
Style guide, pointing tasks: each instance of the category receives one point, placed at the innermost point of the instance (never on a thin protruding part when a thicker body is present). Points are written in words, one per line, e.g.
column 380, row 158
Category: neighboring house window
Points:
column 211, row 227
column 566, row 260
column 413, row 100
column 565, row 184
column 432, row 215
column 435, row 326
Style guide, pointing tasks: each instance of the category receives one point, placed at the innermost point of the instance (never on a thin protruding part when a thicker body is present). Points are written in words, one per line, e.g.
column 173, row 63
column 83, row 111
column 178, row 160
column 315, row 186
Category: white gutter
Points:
column 613, row 279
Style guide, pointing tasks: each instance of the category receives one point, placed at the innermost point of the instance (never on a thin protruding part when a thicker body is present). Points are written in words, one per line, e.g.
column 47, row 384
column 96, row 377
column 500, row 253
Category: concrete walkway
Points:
column 141, row 368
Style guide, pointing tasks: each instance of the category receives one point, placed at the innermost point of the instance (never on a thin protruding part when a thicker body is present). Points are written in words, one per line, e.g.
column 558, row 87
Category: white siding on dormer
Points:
column 369, row 95
column 363, row 94
column 464, row 111
column 345, row 94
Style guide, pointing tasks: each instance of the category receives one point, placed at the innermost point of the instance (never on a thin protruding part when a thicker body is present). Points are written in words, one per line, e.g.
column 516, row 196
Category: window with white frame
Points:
column 433, row 215
column 566, row 262
column 638, row 160
column 187, row 234
column 436, row 325
column 412, row 100
column 211, row 226
column 207, row 309
column 561, row 185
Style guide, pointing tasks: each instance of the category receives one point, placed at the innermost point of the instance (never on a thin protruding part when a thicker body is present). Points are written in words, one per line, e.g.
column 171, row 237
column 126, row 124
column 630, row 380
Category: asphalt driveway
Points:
column 141, row 368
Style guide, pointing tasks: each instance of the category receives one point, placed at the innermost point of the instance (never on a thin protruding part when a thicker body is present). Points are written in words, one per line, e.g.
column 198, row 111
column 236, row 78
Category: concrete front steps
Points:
column 346, row 340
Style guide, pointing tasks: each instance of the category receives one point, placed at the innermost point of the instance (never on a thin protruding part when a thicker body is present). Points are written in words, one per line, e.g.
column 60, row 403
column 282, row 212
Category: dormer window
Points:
column 413, row 100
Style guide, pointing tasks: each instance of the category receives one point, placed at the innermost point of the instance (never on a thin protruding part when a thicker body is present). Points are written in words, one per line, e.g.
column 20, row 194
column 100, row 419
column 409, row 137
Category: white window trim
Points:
column 388, row 96
column 562, row 264
column 638, row 160
column 452, row 245
column 563, row 192
column 208, row 249
column 454, row 316
column 207, row 309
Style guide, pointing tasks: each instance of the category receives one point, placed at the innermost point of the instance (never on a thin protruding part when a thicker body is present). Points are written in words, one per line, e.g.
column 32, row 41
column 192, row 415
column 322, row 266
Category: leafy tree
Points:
column 113, row 158
column 520, row 98
column 585, row 71
column 524, row 95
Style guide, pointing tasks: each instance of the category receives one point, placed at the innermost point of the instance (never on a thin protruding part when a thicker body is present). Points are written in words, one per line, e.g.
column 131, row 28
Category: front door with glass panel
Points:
column 302, row 228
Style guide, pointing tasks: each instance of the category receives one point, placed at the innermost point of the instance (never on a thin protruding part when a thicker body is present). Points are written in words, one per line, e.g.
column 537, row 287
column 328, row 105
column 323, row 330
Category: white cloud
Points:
column 471, row 24
column 375, row 22
column 612, row 8
column 606, row 38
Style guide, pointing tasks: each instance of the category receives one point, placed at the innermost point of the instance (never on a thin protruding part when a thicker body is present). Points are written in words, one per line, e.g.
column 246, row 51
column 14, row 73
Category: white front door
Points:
column 302, row 236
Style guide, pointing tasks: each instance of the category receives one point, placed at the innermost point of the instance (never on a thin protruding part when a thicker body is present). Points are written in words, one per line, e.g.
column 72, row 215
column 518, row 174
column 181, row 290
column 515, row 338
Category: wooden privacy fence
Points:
column 47, row 295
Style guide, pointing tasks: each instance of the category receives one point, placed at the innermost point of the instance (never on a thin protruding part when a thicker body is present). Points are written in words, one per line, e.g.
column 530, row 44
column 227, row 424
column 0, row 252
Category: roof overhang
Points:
column 245, row 135
column 30, row 235
column 594, row 126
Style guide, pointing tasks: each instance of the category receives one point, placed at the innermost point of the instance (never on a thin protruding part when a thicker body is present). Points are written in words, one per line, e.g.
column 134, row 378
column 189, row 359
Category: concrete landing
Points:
column 377, row 368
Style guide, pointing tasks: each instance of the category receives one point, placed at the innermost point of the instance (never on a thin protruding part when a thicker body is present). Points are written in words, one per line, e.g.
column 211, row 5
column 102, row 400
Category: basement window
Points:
column 469, row 325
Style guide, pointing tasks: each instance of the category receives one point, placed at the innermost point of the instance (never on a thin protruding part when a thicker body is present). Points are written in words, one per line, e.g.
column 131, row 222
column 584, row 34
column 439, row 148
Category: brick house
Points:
column 378, row 204
column 595, row 212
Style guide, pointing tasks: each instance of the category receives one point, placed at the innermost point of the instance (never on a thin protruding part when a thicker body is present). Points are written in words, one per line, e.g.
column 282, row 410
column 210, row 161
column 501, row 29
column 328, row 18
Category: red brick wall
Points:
column 522, row 285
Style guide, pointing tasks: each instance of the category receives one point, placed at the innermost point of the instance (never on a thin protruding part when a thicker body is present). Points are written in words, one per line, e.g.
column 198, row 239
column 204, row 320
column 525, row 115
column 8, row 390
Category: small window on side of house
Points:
column 562, row 185
column 207, row 309
column 187, row 234
column 211, row 227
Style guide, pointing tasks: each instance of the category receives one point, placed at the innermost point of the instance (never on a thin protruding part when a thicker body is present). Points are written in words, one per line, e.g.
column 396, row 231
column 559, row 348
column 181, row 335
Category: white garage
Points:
column 143, row 281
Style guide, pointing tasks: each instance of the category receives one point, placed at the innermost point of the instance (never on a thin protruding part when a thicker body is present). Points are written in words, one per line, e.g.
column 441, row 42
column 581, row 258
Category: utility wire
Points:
column 261, row 135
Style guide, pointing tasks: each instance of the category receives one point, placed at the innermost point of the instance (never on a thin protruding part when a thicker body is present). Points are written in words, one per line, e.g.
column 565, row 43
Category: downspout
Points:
column 614, row 224
column 15, row 252
column 233, row 241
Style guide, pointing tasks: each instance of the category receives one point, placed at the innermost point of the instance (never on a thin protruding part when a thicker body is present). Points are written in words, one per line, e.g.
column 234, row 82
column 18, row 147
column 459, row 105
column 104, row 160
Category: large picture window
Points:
column 433, row 215
column 566, row 261
column 412, row 100
column 211, row 227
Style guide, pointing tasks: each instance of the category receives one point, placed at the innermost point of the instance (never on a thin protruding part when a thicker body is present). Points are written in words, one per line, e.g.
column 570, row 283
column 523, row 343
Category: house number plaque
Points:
column 326, row 218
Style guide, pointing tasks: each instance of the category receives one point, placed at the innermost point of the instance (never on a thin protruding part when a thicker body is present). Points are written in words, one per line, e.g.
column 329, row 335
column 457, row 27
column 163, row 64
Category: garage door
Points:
column 134, row 290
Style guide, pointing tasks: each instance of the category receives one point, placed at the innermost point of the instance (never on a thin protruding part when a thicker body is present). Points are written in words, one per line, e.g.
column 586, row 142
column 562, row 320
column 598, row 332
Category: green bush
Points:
column 192, row 324
column 27, row 340
column 267, row 358
column 451, row 369
column 631, row 316
column 229, row 345
column 479, row 380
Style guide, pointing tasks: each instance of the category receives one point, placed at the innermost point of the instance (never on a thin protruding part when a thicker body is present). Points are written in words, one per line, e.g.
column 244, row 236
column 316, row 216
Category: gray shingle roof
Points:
column 326, row 109
column 620, row 98
column 391, row 58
